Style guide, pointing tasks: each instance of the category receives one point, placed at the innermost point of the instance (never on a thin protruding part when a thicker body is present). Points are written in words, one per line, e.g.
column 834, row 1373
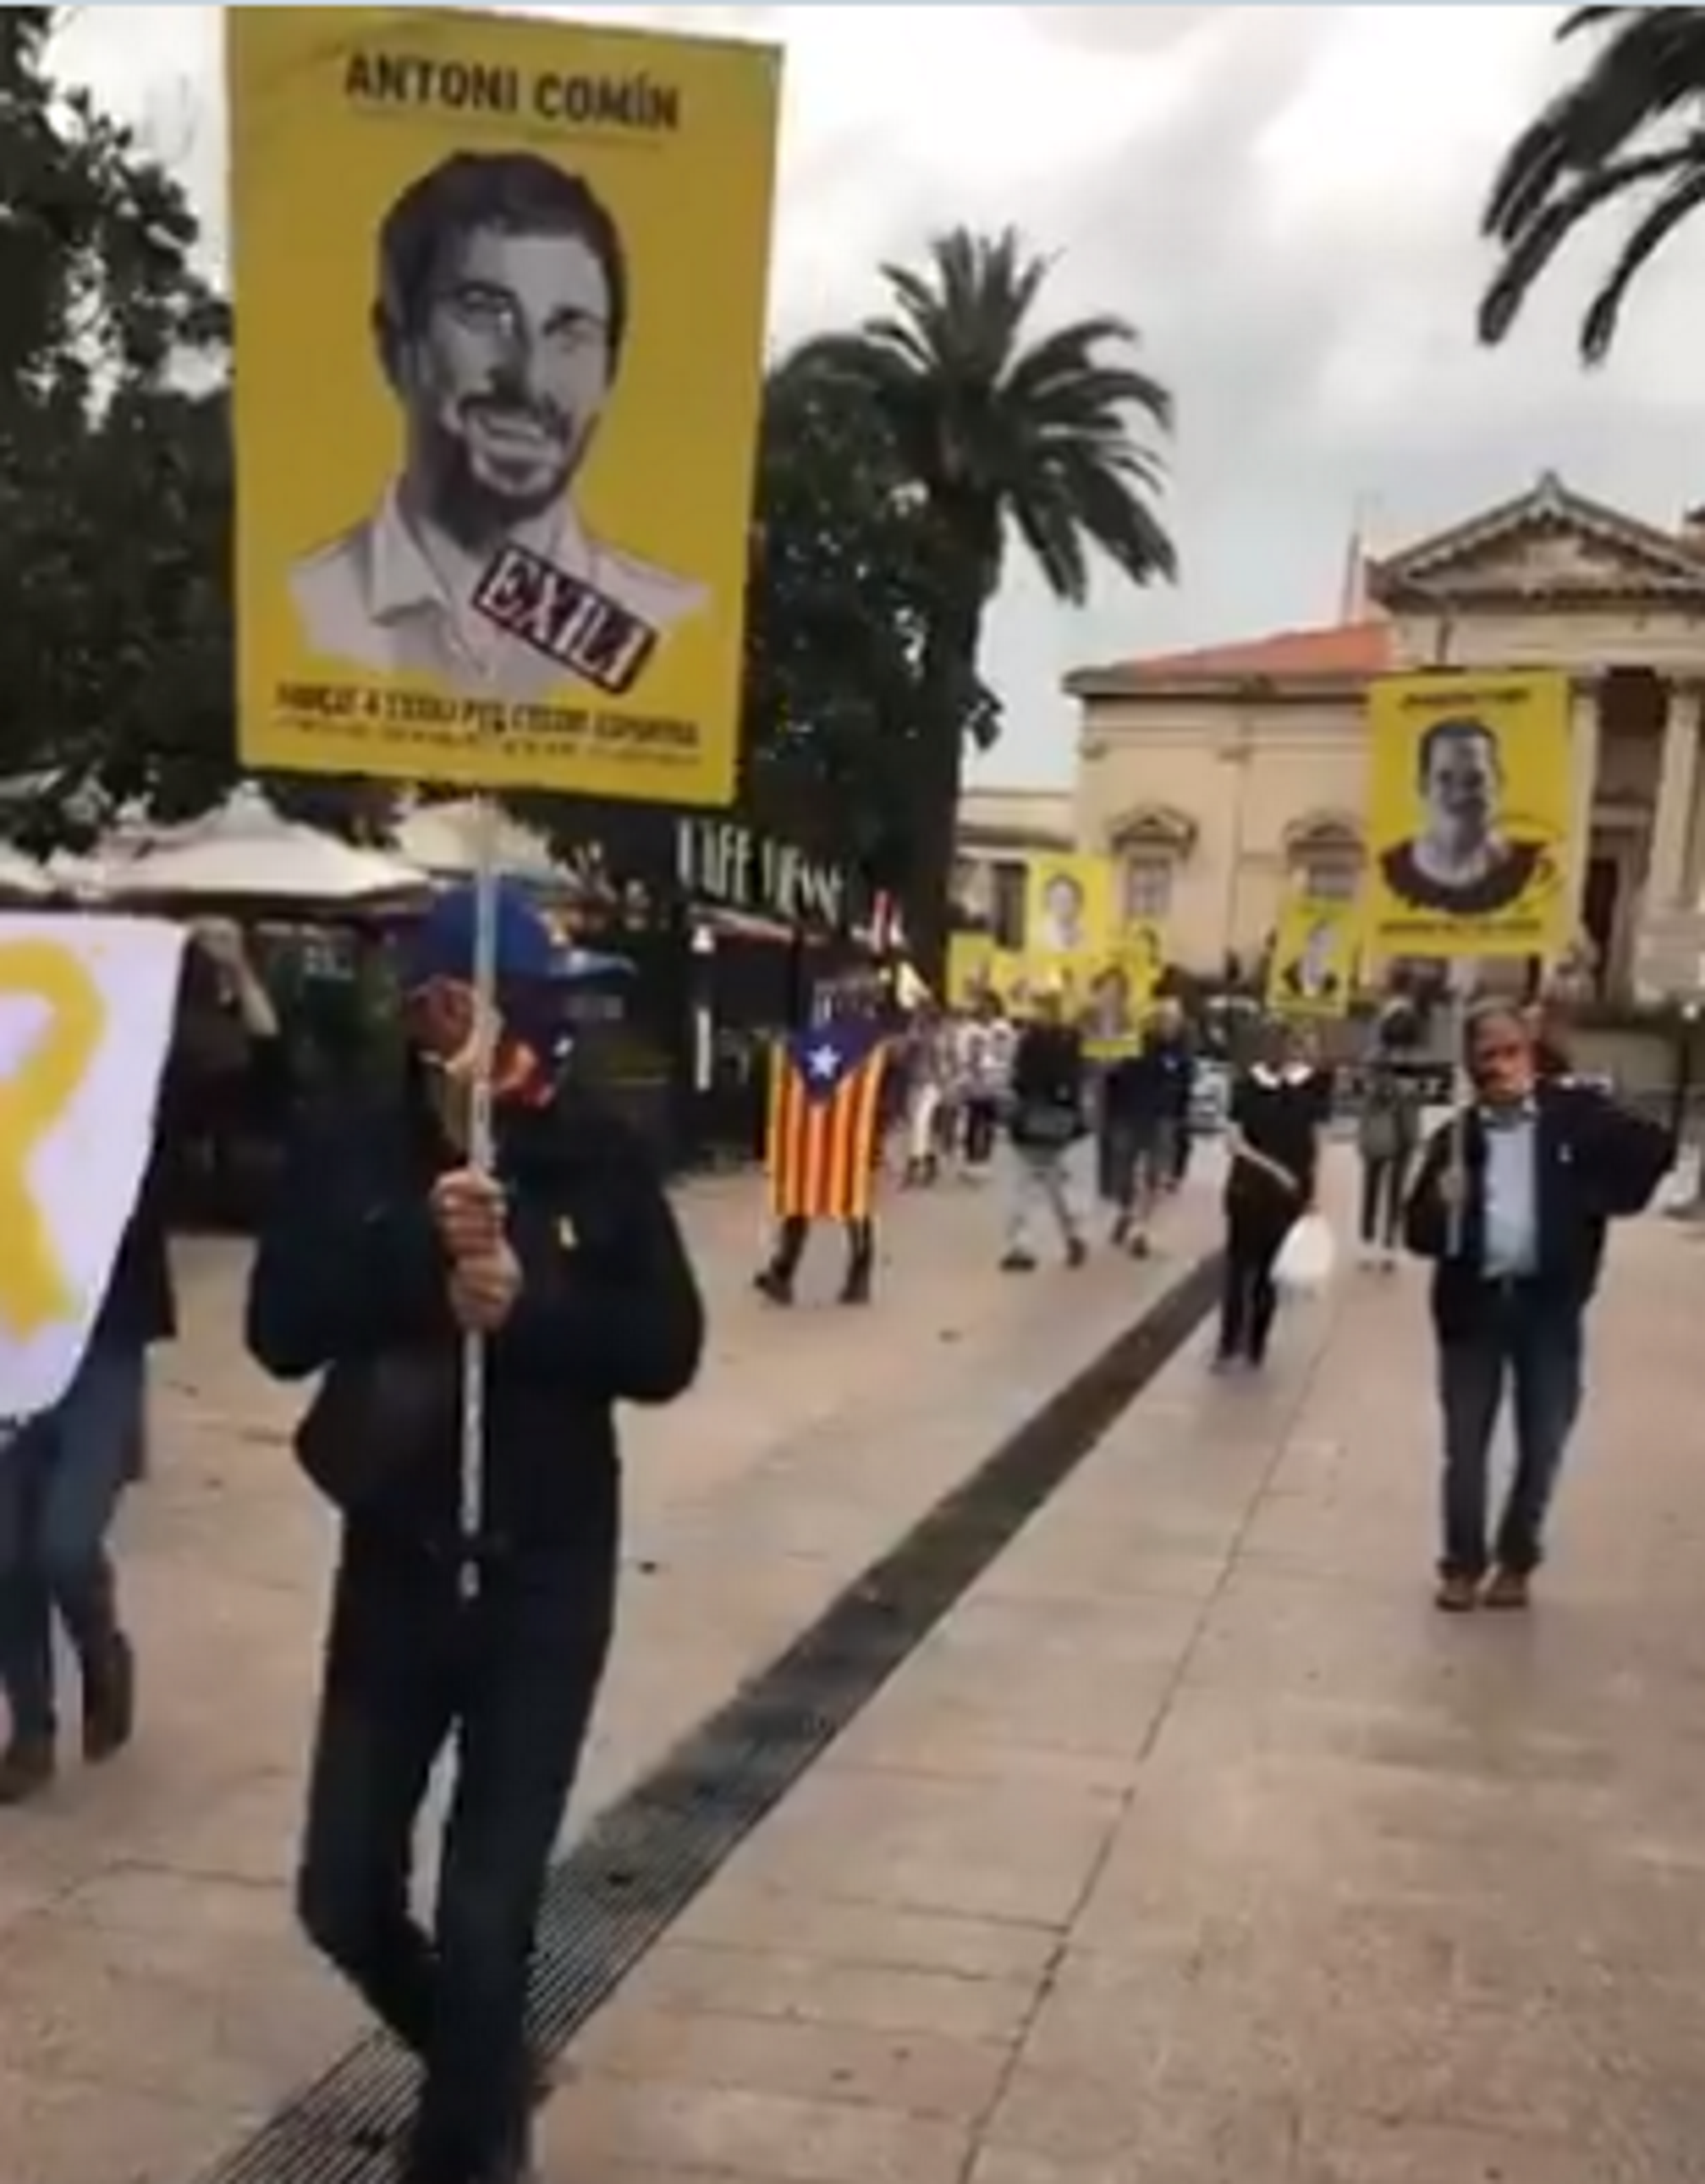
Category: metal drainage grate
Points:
column 645, row 1858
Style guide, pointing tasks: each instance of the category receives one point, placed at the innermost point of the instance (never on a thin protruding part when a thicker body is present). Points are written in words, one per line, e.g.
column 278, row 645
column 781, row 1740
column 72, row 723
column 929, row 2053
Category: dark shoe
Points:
column 1019, row 1262
column 1077, row 1252
column 1141, row 1248
column 1507, row 1591
column 26, row 1767
column 1456, row 1594
column 775, row 1287
column 856, row 1293
column 110, row 1703
column 1118, row 1236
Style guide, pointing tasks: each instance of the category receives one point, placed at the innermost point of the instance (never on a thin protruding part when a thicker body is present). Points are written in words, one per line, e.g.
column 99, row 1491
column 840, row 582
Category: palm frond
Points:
column 1683, row 197
column 1635, row 119
column 1536, row 242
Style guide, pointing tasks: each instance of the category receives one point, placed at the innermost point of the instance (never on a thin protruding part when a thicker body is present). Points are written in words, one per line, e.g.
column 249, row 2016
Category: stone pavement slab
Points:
column 149, row 1971
column 1195, row 1845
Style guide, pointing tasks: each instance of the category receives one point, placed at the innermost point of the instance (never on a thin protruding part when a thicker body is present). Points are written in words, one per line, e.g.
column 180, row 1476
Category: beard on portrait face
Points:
column 495, row 460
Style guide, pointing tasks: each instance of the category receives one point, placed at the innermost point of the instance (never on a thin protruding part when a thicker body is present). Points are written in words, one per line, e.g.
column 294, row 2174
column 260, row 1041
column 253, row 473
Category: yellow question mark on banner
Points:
column 35, row 1291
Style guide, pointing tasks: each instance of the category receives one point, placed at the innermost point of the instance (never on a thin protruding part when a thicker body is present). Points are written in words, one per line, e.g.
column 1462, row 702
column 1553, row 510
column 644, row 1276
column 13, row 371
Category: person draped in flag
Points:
column 824, row 1104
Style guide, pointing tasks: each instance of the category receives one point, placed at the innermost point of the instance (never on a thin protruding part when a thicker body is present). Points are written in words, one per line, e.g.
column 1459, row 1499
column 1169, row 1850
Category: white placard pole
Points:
column 473, row 1512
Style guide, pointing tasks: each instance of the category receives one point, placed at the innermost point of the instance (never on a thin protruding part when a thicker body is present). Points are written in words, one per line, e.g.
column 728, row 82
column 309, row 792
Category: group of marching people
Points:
column 975, row 1080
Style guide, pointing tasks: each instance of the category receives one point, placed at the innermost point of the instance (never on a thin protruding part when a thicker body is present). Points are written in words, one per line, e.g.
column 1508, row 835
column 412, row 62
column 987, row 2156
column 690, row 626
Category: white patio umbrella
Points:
column 22, row 878
column 285, row 864
column 444, row 840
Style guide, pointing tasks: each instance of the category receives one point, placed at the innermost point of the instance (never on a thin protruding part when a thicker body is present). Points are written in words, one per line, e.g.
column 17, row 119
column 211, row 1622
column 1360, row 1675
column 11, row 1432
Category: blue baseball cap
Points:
column 442, row 945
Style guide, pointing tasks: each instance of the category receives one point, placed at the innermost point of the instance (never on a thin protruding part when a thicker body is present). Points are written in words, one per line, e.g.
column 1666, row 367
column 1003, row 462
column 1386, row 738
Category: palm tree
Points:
column 1632, row 126
column 998, row 433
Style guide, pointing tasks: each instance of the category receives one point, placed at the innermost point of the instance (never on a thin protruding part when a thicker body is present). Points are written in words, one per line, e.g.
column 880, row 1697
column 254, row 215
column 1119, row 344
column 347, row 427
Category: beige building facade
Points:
column 1222, row 780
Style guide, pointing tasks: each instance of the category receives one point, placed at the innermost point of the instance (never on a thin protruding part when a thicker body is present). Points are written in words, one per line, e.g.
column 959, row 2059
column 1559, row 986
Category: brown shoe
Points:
column 26, row 1767
column 1457, row 1596
column 1507, row 1591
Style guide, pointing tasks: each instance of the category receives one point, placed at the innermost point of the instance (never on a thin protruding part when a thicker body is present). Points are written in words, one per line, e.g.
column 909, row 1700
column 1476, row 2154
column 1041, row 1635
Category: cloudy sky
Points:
column 1284, row 200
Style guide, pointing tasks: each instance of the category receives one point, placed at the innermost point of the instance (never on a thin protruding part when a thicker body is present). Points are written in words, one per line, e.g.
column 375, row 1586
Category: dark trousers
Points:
column 1384, row 1186
column 790, row 1239
column 60, row 1482
column 1528, row 1341
column 981, row 1118
column 513, row 1676
column 1255, row 1229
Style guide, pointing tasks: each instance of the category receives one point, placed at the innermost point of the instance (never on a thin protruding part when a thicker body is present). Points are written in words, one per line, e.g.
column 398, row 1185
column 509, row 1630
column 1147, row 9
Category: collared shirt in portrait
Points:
column 375, row 599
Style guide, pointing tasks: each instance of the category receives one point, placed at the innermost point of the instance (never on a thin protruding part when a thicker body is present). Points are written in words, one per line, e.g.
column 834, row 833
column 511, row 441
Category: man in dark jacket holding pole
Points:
column 387, row 1248
column 1512, row 1204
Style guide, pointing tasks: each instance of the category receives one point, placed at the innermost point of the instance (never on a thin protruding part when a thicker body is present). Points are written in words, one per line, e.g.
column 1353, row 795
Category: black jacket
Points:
column 1596, row 1162
column 1152, row 1086
column 350, row 1271
column 140, row 1308
column 1048, row 1086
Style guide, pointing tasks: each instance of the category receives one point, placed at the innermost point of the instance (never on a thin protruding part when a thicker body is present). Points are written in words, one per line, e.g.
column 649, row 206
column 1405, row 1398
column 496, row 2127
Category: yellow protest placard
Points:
column 499, row 289
column 1469, row 813
column 1122, row 998
column 1313, row 967
column 1067, row 923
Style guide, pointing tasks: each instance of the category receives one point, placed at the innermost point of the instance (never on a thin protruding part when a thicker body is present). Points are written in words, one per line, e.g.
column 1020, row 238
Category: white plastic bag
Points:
column 1307, row 1257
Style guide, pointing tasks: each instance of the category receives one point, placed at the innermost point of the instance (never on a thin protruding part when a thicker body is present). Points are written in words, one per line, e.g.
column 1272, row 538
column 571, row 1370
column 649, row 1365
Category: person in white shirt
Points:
column 984, row 1044
column 502, row 313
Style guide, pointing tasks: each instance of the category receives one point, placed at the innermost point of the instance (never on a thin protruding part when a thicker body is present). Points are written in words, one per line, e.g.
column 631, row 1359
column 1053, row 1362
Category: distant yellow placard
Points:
column 1122, row 999
column 1313, row 970
column 499, row 289
column 1469, row 813
column 1068, row 935
column 976, row 967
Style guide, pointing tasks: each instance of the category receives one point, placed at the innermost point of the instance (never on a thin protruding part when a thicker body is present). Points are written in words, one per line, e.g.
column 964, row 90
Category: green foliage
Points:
column 114, row 462
column 1630, row 128
column 1001, row 432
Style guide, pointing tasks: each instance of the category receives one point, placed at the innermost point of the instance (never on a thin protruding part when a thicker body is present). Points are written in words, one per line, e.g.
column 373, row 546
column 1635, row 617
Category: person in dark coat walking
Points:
column 385, row 1250
column 1279, row 1111
column 1512, row 1205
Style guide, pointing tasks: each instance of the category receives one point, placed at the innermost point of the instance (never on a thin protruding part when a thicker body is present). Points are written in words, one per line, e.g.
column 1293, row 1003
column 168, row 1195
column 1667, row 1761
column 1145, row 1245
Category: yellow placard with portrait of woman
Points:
column 1470, row 808
column 1313, row 969
column 1067, row 922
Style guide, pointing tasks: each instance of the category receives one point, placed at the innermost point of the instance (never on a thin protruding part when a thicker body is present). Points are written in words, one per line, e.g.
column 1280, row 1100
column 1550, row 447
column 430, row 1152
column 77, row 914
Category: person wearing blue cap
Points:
column 386, row 1248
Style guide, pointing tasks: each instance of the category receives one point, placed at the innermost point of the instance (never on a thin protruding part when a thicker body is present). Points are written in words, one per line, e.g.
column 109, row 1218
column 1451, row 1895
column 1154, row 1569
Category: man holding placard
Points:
column 387, row 1247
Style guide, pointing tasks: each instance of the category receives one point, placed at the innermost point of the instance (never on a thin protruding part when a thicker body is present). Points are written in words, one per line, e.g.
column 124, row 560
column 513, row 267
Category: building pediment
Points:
column 1550, row 544
column 1160, row 828
column 1322, row 834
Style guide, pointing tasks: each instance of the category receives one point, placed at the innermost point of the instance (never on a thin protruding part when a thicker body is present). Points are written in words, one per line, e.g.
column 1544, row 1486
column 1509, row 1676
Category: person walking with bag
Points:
column 1279, row 1111
column 1048, row 1122
column 1512, row 1205
column 387, row 1249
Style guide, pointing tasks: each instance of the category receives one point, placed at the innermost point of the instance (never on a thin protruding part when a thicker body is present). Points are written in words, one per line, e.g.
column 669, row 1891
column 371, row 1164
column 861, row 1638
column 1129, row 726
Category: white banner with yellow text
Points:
column 87, row 1008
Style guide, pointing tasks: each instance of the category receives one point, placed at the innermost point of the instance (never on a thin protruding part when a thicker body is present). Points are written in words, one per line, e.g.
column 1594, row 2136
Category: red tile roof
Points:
column 1351, row 650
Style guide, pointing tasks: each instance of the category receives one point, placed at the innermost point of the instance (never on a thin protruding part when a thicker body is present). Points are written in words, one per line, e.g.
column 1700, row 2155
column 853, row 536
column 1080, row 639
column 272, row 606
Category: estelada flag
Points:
column 825, row 1098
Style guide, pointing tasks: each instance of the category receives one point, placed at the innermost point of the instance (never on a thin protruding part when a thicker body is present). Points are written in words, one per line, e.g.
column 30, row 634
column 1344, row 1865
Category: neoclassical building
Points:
column 1220, row 779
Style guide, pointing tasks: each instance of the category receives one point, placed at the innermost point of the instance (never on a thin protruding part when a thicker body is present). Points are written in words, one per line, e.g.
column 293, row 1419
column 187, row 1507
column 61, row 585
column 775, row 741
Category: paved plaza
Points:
column 155, row 2002
column 1193, row 1845
column 1196, row 1847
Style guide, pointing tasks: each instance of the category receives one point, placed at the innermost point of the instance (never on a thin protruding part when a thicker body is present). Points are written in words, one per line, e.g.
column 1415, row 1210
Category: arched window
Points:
column 1149, row 845
column 1324, row 852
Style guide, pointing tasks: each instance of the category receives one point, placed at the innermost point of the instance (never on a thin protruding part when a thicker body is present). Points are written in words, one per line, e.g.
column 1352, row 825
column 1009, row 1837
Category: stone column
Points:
column 1677, row 786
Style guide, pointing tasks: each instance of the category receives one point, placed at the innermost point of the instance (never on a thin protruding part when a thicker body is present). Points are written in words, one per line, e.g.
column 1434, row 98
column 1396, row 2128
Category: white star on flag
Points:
column 822, row 1062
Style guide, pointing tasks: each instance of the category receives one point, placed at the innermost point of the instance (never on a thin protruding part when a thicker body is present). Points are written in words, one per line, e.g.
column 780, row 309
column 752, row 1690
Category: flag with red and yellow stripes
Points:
column 824, row 1101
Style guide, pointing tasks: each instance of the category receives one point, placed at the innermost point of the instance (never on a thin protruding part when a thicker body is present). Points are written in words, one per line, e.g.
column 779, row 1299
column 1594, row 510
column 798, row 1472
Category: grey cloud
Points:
column 1311, row 366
